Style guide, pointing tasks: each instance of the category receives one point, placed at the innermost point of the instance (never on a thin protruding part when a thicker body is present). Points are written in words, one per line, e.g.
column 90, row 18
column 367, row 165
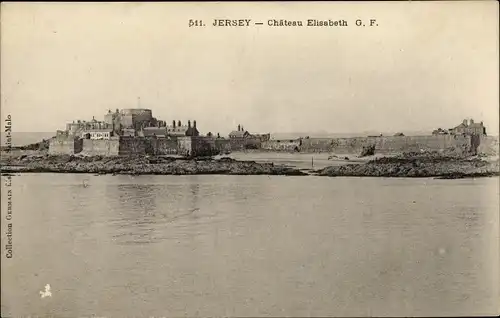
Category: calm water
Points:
column 251, row 246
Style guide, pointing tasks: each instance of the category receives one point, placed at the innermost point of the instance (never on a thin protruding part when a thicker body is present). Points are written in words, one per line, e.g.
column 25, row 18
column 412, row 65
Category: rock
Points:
column 433, row 166
column 141, row 165
column 367, row 151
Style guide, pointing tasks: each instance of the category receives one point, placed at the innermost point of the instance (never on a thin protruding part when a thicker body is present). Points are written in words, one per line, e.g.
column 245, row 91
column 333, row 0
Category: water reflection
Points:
column 145, row 213
column 254, row 246
column 133, row 212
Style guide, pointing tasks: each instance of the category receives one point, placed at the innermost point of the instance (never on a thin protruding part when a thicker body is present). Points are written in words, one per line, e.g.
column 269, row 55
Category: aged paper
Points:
column 249, row 159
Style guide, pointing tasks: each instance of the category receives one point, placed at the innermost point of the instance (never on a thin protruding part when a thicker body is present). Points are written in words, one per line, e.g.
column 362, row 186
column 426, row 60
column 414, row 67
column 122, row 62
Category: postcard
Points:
column 249, row 159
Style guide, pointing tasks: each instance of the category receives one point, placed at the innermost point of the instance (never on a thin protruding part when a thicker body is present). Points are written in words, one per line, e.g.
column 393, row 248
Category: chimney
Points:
column 482, row 123
column 189, row 124
column 472, row 121
column 173, row 123
column 242, row 129
column 465, row 122
column 179, row 124
column 239, row 127
column 194, row 123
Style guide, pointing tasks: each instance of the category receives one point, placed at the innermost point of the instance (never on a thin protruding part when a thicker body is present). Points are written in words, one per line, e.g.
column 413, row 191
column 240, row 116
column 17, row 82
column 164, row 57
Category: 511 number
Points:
column 196, row 23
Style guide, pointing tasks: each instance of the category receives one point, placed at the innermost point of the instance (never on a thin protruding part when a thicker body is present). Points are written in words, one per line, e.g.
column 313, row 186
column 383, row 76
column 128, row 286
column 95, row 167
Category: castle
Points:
column 133, row 131
column 136, row 132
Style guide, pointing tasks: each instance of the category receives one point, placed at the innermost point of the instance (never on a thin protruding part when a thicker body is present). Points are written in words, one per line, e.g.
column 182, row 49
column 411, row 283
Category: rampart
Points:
column 392, row 144
column 65, row 145
column 489, row 145
column 109, row 147
column 196, row 146
column 133, row 146
column 249, row 142
column 207, row 146
column 223, row 145
column 282, row 145
column 162, row 146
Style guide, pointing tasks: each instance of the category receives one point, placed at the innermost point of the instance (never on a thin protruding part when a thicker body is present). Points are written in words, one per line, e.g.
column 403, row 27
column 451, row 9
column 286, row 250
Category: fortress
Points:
column 136, row 131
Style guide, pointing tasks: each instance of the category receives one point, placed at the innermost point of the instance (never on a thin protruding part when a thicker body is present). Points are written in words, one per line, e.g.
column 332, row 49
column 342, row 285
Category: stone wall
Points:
column 184, row 146
column 388, row 145
column 203, row 146
column 133, row 146
column 251, row 142
column 65, row 146
column 101, row 147
column 222, row 145
column 454, row 143
column 318, row 144
column 489, row 145
column 196, row 146
column 162, row 146
column 282, row 145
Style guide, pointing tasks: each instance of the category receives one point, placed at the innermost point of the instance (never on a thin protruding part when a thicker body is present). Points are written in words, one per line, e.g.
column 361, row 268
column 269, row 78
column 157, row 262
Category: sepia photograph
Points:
column 250, row 159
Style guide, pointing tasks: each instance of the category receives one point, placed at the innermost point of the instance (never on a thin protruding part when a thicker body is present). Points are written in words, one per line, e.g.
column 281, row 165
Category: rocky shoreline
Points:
column 417, row 166
column 403, row 166
column 142, row 165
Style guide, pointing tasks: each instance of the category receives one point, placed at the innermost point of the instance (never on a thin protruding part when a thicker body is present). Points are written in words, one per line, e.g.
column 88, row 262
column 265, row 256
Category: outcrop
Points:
column 416, row 165
column 141, row 165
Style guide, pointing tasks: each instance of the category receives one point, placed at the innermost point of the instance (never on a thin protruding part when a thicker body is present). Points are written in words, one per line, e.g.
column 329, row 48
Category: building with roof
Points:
column 241, row 139
column 470, row 129
column 465, row 128
column 177, row 129
column 240, row 133
column 98, row 134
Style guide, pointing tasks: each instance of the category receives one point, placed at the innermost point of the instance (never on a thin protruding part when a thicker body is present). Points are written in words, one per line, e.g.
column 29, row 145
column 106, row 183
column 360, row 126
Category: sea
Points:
column 25, row 138
column 248, row 246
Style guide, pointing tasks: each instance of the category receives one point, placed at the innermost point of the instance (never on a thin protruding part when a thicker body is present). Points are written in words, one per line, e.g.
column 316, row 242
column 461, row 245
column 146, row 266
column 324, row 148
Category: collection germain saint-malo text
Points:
column 283, row 23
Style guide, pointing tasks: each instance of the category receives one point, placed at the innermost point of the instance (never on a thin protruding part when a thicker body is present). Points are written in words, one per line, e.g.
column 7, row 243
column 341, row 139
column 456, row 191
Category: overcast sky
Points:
column 426, row 65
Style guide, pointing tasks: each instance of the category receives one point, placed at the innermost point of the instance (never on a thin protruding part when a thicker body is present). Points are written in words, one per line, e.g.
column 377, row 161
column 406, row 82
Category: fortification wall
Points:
column 100, row 147
column 162, row 146
column 489, row 145
column 133, row 146
column 282, row 145
column 245, row 143
column 184, row 146
column 316, row 145
column 196, row 146
column 203, row 146
column 452, row 143
column 65, row 146
column 388, row 145
column 222, row 145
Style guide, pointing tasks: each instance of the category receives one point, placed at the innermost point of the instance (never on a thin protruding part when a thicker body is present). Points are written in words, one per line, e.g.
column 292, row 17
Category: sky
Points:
column 426, row 65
